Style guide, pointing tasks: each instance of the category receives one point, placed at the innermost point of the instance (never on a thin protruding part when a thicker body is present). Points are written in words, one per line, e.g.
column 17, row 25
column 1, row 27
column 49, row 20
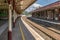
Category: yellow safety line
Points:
column 23, row 37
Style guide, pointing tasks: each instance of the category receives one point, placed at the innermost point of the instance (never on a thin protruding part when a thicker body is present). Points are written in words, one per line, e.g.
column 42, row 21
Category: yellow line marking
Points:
column 23, row 37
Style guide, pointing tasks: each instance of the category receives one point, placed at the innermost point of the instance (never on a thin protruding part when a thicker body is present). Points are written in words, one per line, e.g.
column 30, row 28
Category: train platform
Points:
column 20, row 32
column 48, row 21
column 4, row 31
column 2, row 22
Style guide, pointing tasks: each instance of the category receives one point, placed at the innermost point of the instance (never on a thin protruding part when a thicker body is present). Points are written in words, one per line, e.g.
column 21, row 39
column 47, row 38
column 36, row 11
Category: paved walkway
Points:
column 20, row 32
column 4, row 31
column 2, row 22
column 16, row 34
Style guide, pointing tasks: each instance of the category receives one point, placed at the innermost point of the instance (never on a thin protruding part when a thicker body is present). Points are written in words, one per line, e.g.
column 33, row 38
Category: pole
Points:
column 10, row 21
column 13, row 13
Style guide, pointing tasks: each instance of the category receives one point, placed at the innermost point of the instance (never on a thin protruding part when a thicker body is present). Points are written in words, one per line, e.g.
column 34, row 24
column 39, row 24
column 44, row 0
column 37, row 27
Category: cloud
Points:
column 36, row 5
column 33, row 7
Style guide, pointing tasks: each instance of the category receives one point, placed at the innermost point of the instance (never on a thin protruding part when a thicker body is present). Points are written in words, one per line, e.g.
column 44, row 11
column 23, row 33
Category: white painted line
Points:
column 47, row 21
column 33, row 32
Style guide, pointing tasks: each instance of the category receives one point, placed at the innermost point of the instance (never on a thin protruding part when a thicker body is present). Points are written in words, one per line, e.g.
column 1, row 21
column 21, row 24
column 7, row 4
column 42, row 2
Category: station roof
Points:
column 50, row 6
column 19, row 7
column 25, row 4
column 3, row 5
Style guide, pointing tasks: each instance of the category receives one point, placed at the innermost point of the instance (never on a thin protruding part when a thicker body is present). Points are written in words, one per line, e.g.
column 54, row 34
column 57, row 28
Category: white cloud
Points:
column 33, row 7
column 36, row 5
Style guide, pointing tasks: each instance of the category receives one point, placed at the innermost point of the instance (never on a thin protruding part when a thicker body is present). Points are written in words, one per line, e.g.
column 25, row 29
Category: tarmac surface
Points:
column 20, row 32
column 2, row 22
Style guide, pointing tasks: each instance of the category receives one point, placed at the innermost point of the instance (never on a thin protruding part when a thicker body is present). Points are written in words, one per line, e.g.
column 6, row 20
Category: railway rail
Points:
column 50, row 26
column 51, row 34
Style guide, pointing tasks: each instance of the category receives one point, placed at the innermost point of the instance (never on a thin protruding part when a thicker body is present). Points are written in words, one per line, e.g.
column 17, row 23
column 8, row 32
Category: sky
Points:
column 45, row 2
column 40, row 3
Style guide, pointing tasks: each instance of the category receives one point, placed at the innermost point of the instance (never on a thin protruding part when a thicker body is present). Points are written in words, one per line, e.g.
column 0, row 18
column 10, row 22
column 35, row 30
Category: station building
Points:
column 3, row 9
column 49, row 12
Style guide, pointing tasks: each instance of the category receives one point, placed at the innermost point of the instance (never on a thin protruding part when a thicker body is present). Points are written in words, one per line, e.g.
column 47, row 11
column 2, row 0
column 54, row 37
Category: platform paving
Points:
column 17, row 34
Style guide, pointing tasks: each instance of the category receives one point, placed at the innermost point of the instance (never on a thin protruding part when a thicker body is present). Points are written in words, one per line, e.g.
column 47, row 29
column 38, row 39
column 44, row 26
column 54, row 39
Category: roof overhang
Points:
column 3, row 5
column 25, row 4
column 51, row 6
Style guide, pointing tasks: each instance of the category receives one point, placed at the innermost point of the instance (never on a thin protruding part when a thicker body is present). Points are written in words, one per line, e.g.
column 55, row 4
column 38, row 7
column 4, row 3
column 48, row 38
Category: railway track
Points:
column 50, row 33
column 53, row 27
